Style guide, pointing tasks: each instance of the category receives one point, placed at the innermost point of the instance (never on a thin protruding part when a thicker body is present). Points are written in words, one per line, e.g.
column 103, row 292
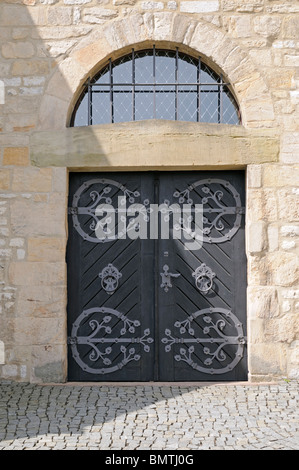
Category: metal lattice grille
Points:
column 156, row 84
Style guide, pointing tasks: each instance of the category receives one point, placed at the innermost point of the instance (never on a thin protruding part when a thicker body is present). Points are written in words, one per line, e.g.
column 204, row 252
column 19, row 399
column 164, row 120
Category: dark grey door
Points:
column 156, row 292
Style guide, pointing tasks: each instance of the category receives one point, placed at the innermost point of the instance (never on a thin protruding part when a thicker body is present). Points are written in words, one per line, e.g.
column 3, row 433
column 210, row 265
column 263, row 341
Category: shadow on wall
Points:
column 33, row 200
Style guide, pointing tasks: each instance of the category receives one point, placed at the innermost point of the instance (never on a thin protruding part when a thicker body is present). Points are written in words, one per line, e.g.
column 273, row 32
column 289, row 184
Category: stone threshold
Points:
column 157, row 384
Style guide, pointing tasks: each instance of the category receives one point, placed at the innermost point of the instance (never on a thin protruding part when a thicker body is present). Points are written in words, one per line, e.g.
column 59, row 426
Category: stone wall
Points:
column 47, row 49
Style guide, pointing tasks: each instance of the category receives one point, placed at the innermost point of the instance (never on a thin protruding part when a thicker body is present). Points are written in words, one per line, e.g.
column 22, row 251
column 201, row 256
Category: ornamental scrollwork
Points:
column 97, row 335
column 222, row 208
column 81, row 210
column 219, row 349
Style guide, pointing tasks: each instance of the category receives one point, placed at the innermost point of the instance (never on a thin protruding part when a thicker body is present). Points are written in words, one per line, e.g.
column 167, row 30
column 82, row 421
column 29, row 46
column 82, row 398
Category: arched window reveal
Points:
column 156, row 84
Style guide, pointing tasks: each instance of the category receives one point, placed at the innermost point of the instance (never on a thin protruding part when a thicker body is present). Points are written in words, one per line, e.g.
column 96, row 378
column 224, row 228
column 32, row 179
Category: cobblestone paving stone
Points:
column 149, row 417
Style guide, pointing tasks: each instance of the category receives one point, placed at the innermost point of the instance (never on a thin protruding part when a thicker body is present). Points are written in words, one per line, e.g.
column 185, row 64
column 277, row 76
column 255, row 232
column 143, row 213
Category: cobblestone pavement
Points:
column 149, row 416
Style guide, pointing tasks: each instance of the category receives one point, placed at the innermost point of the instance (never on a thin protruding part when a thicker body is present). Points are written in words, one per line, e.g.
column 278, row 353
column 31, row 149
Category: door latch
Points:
column 166, row 278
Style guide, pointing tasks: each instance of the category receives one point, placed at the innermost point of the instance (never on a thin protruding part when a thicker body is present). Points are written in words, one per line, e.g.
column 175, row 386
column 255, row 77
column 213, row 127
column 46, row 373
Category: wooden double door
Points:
column 156, row 277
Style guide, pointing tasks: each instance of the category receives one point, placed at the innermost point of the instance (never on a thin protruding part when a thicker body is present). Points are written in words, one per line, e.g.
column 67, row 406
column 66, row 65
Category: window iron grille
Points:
column 156, row 84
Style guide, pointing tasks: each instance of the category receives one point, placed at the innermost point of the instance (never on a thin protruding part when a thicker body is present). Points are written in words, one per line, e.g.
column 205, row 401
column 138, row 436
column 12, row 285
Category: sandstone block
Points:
column 294, row 361
column 42, row 301
column 46, row 249
column 152, row 5
column 52, row 113
column 25, row 273
column 20, row 33
column 22, row 50
column 291, row 60
column 2, row 353
column 267, row 26
column 97, row 15
column 288, row 204
column 16, row 242
column 283, row 330
column 290, row 147
column 29, row 218
column 60, row 180
column 280, row 175
column 270, row 205
column 267, row 359
column 49, row 364
column 283, row 268
column 16, row 156
column 4, row 179
column 183, row 29
column 291, row 27
column 207, row 39
column 281, row 79
column 24, row 67
column 200, row 6
column 257, row 111
column 254, row 176
column 289, row 230
column 240, row 26
column 76, row 2
column 241, row 6
column 291, row 294
column 158, row 25
column 172, row 5
column 15, row 15
column 263, row 302
column 60, row 16
column 273, row 238
column 262, row 57
column 257, row 241
column 9, row 371
column 42, row 309
column 262, row 205
column 32, row 179
column 257, row 271
column 40, row 331
column 87, row 56
column 288, row 244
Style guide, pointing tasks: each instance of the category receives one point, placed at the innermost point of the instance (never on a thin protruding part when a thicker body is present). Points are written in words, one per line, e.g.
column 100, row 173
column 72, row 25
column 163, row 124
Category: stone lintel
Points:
column 151, row 145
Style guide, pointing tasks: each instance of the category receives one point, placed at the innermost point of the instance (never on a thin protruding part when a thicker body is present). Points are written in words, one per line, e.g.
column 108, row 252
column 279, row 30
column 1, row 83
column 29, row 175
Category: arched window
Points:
column 156, row 84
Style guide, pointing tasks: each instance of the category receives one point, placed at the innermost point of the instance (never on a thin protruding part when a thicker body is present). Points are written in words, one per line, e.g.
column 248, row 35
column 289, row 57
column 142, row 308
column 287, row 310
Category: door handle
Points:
column 166, row 278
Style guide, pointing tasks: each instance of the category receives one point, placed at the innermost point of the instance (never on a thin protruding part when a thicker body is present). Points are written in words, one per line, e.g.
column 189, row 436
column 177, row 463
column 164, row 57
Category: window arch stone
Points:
column 160, row 28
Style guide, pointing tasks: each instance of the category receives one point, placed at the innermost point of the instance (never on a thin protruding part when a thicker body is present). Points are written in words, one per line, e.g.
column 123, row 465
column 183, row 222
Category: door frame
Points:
column 157, row 267
column 109, row 148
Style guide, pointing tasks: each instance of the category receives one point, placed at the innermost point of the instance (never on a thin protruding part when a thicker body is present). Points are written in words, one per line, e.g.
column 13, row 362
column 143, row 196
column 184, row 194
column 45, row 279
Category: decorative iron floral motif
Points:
column 213, row 342
column 221, row 220
column 96, row 197
column 91, row 341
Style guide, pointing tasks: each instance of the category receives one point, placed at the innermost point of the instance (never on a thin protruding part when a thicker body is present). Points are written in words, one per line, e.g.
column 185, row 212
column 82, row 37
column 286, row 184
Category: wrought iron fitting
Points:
column 166, row 278
column 110, row 276
column 73, row 211
column 204, row 278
